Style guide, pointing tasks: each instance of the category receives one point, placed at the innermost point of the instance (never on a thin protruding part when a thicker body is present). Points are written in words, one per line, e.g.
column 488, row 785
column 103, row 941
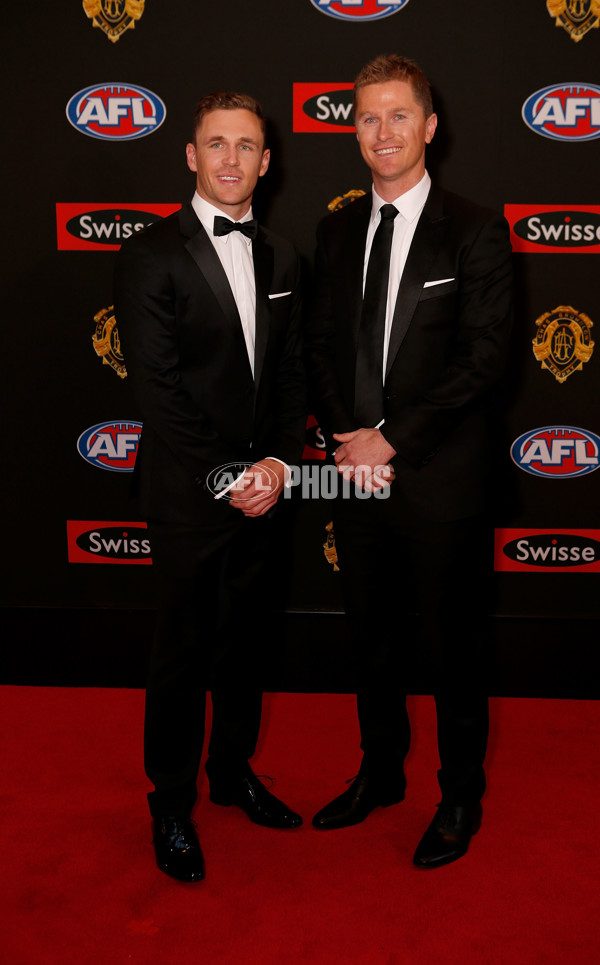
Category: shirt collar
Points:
column 410, row 204
column 207, row 213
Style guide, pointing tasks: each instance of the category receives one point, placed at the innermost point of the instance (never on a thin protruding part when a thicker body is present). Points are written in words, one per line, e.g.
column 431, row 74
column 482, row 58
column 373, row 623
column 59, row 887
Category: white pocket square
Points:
column 279, row 294
column 442, row 281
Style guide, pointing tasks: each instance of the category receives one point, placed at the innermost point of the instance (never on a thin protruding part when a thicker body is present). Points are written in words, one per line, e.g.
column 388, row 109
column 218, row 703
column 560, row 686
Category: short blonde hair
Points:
column 388, row 67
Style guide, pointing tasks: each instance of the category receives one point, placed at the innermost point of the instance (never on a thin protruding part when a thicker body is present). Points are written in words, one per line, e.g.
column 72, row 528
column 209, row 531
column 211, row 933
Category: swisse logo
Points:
column 564, row 112
column 573, row 228
column 323, row 108
column 359, row 9
column 103, row 542
column 116, row 112
column 111, row 445
column 555, row 550
column 102, row 227
column 557, row 452
column 314, row 444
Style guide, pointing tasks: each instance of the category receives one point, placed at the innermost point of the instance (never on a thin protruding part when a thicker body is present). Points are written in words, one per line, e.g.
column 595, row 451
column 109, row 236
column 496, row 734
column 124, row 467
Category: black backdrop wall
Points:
column 69, row 190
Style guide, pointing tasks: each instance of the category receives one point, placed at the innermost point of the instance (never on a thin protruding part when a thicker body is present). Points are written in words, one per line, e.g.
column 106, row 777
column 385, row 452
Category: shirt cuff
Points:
column 287, row 482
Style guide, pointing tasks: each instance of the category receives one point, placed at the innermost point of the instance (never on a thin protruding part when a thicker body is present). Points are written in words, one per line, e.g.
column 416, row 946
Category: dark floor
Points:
column 309, row 653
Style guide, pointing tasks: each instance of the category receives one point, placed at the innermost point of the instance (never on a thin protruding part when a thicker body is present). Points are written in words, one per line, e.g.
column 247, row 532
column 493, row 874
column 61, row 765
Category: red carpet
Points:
column 80, row 884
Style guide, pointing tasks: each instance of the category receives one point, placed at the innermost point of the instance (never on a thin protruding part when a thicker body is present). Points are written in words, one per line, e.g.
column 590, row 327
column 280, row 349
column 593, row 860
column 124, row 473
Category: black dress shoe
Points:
column 177, row 848
column 355, row 804
column 248, row 793
column 448, row 836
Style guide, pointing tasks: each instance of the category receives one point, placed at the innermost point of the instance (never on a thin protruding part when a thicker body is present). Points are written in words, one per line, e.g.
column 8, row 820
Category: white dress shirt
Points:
column 410, row 205
column 235, row 254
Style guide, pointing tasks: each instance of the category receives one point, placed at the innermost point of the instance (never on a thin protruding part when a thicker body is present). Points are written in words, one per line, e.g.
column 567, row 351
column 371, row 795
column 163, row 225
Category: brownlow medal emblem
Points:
column 106, row 341
column 576, row 16
column 344, row 199
column 329, row 548
column 114, row 17
column 563, row 341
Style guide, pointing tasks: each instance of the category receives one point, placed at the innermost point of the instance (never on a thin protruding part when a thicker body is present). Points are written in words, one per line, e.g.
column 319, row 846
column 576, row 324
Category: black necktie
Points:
column 223, row 226
column 368, row 386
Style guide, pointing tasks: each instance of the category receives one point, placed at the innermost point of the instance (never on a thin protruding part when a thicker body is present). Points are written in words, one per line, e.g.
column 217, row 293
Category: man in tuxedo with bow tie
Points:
column 408, row 336
column 208, row 306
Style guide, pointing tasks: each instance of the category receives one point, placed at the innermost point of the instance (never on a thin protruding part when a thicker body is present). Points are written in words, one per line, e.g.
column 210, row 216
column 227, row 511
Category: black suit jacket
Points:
column 448, row 345
column 186, row 357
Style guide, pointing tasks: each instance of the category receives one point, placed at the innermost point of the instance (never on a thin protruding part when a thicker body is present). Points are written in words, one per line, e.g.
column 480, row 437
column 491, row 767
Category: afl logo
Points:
column 557, row 452
column 564, row 112
column 111, row 445
column 359, row 9
column 116, row 112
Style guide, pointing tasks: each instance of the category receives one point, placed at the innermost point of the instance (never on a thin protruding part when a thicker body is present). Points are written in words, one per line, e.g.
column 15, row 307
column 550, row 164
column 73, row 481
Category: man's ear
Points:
column 264, row 164
column 190, row 153
column 430, row 128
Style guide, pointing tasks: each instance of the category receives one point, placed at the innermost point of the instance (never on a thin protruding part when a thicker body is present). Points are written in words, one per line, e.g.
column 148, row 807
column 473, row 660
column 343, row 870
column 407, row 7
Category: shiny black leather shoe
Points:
column 448, row 836
column 354, row 805
column 177, row 848
column 249, row 793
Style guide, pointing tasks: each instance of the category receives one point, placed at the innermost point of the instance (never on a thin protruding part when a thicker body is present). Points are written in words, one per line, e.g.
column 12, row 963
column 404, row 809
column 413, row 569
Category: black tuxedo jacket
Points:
column 186, row 357
column 448, row 345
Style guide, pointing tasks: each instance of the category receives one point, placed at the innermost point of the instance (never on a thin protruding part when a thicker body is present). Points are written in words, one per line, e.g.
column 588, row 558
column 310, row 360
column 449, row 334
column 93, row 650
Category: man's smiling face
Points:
column 392, row 131
column 228, row 157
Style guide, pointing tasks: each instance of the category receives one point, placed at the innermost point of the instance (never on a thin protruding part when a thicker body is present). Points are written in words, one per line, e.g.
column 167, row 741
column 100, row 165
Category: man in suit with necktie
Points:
column 208, row 305
column 408, row 335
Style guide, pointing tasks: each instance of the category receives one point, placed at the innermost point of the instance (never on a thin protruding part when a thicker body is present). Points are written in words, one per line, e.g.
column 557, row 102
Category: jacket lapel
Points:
column 263, row 273
column 201, row 249
column 354, row 260
column 423, row 252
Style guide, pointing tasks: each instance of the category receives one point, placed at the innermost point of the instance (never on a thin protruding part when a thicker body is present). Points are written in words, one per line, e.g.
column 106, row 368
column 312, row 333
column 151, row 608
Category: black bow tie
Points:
column 223, row 226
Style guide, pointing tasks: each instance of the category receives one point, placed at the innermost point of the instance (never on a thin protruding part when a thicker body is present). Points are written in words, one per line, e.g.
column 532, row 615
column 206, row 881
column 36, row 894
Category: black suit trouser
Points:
column 211, row 592
column 414, row 591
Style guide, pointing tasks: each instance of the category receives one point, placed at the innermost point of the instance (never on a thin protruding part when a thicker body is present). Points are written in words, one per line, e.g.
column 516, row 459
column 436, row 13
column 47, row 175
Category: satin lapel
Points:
column 262, row 254
column 423, row 251
column 201, row 249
